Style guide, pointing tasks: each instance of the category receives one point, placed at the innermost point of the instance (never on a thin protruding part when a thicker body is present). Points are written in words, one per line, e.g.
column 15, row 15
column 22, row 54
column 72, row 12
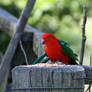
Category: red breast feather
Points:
column 53, row 49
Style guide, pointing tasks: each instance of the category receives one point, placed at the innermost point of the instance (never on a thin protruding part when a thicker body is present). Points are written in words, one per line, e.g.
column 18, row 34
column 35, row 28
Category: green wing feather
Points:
column 45, row 60
column 67, row 51
column 39, row 58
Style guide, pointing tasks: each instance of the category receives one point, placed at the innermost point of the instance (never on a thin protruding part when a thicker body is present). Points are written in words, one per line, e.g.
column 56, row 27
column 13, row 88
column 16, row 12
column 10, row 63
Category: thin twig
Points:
column 89, row 88
column 90, row 59
column 83, row 35
column 25, row 55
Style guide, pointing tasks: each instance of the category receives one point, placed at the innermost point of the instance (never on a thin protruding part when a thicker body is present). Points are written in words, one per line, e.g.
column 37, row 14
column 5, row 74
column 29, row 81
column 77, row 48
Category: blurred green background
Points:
column 63, row 18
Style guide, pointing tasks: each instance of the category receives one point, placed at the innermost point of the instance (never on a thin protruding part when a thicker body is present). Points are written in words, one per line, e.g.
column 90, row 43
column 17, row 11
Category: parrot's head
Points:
column 47, row 38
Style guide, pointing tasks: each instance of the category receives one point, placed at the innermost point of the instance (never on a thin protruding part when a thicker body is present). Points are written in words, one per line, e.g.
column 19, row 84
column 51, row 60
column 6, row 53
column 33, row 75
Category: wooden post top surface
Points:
column 65, row 68
column 53, row 67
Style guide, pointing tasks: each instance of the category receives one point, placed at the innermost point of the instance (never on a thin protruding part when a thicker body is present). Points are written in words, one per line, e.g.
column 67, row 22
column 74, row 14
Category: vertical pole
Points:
column 83, row 35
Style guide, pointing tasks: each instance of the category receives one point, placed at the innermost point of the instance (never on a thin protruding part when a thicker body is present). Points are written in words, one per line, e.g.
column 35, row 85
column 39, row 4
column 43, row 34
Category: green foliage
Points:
column 48, row 15
column 60, row 17
column 4, row 41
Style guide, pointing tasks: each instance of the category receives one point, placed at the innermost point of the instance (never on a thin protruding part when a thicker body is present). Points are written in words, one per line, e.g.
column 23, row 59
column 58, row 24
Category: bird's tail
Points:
column 72, row 62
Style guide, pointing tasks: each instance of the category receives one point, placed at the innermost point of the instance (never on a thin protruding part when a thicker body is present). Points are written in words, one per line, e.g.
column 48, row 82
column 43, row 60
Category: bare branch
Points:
column 25, row 55
column 88, row 89
column 90, row 59
column 83, row 35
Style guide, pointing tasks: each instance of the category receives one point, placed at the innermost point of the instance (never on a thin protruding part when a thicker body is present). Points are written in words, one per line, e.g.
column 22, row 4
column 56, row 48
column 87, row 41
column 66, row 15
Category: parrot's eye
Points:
column 48, row 37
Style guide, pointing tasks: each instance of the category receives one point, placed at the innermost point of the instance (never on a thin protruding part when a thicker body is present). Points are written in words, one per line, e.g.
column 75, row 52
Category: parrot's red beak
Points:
column 43, row 41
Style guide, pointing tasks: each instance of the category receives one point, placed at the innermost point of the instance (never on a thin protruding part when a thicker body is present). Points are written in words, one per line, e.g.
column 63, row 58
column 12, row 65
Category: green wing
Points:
column 67, row 51
column 39, row 58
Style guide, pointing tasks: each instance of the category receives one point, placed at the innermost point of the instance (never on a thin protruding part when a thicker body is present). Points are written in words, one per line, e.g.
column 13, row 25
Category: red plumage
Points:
column 53, row 49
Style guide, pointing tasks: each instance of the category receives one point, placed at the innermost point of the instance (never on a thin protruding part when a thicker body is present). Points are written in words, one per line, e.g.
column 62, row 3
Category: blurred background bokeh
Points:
column 63, row 18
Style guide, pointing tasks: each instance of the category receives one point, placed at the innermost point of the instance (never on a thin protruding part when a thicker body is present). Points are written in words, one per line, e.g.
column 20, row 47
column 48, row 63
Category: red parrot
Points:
column 58, row 50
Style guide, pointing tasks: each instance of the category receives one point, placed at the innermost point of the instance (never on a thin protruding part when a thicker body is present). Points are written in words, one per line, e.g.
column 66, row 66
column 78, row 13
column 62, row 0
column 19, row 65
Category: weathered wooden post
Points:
column 48, row 78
